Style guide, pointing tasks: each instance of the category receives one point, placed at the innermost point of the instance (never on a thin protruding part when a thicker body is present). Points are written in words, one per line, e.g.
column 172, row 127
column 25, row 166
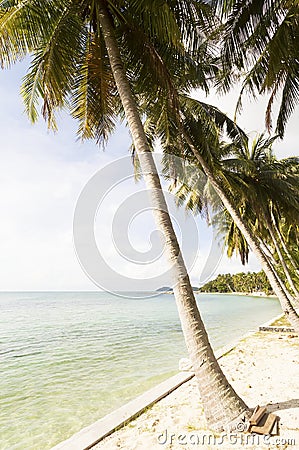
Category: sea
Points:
column 69, row 358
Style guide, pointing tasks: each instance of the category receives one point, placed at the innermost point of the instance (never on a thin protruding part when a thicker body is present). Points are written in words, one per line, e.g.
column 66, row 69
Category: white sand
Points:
column 264, row 370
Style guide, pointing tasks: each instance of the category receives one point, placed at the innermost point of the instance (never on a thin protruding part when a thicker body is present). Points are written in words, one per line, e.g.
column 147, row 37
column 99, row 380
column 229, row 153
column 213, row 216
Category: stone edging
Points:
column 91, row 435
column 94, row 433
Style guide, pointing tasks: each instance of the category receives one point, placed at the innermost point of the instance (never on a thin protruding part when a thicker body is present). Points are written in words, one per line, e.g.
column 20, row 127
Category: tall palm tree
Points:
column 221, row 183
column 84, row 55
column 262, row 227
column 261, row 38
column 254, row 203
column 200, row 142
column 272, row 193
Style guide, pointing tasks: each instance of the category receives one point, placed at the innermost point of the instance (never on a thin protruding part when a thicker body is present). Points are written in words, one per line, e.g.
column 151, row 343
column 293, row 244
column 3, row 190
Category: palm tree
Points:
column 221, row 183
column 234, row 240
column 261, row 38
column 200, row 197
column 200, row 143
column 274, row 197
column 272, row 191
column 84, row 55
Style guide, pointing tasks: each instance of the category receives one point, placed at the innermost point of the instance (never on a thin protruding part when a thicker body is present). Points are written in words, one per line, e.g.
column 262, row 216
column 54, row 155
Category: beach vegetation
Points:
column 245, row 282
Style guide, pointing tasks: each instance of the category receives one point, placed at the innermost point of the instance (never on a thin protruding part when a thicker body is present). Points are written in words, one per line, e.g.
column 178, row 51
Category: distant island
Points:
column 169, row 290
column 250, row 282
column 164, row 289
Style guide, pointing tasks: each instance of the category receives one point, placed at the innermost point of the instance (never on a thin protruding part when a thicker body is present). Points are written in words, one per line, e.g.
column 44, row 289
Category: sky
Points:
column 43, row 175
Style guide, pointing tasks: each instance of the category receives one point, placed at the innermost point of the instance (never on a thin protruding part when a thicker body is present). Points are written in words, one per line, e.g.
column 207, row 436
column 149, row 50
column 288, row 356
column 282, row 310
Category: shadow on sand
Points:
column 293, row 403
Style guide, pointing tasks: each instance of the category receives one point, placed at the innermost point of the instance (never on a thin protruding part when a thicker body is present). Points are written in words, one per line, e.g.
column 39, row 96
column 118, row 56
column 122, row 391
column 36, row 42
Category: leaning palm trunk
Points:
column 281, row 259
column 265, row 249
column 283, row 244
column 221, row 403
column 276, row 283
column 295, row 266
column 293, row 300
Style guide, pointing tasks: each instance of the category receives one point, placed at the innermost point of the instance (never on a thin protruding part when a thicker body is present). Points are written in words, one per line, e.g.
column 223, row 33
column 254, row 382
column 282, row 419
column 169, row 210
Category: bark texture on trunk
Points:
column 285, row 248
column 290, row 258
column 222, row 405
column 281, row 259
column 273, row 278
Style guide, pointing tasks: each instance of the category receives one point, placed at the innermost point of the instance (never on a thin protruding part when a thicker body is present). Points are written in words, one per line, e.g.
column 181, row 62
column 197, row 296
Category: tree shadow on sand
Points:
column 289, row 404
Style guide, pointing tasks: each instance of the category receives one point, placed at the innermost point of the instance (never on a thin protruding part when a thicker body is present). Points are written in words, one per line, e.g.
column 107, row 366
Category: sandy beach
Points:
column 264, row 370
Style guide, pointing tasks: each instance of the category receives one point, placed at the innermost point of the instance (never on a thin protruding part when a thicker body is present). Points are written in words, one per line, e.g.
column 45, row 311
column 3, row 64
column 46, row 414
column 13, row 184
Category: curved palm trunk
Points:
column 222, row 405
column 283, row 244
column 293, row 300
column 274, row 280
column 281, row 259
column 267, row 251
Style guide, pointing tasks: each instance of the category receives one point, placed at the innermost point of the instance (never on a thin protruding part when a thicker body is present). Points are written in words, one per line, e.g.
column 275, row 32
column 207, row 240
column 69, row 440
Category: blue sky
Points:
column 42, row 176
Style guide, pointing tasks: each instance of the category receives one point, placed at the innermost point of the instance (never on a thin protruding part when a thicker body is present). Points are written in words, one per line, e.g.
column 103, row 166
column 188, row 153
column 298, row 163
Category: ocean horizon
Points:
column 68, row 358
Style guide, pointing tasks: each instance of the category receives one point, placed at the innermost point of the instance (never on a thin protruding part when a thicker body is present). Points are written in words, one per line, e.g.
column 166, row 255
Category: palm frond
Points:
column 56, row 57
column 94, row 101
column 262, row 39
column 289, row 100
column 20, row 28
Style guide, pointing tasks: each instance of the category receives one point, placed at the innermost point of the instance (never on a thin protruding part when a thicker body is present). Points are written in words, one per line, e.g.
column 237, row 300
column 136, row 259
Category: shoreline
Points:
column 116, row 430
column 244, row 294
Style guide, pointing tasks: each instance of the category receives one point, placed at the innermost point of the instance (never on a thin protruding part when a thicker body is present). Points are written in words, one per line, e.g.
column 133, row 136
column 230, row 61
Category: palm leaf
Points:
column 94, row 101
column 51, row 74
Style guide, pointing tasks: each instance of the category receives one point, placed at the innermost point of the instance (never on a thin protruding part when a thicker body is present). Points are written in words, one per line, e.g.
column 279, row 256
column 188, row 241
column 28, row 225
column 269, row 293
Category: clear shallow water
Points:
column 66, row 359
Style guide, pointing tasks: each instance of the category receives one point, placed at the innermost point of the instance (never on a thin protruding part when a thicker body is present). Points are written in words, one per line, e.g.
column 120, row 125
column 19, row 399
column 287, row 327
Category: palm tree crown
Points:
column 261, row 38
column 70, row 66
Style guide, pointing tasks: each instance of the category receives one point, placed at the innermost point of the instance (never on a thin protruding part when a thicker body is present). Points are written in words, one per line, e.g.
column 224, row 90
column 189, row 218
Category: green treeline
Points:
column 239, row 282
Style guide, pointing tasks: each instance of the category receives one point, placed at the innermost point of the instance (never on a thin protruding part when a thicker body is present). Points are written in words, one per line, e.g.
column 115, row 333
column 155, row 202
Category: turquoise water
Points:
column 67, row 359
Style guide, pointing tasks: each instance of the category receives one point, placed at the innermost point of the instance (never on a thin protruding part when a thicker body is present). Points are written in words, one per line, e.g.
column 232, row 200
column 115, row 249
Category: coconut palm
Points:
column 263, row 229
column 235, row 242
column 272, row 193
column 221, row 182
column 97, row 58
column 261, row 38
column 199, row 142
